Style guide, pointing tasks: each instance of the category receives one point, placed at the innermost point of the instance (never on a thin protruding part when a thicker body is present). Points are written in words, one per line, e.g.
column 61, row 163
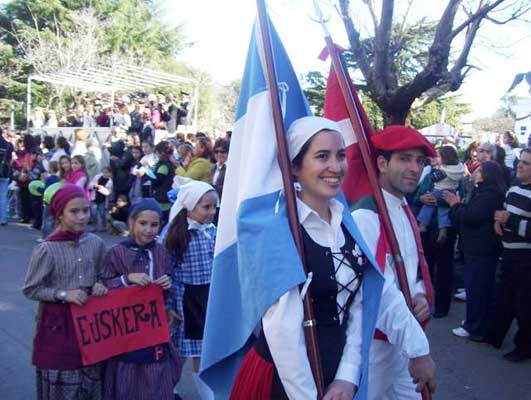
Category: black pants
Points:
column 440, row 258
column 480, row 278
column 25, row 203
column 513, row 300
column 36, row 207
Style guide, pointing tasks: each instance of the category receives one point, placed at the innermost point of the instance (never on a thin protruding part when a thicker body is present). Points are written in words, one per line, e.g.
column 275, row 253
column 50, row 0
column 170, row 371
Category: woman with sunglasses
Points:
column 197, row 165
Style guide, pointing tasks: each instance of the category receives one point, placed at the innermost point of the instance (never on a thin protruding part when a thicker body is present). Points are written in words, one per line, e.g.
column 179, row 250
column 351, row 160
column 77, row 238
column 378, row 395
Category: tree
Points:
column 405, row 69
column 429, row 114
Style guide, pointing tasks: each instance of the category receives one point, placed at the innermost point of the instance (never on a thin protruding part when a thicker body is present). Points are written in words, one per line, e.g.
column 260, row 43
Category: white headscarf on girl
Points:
column 302, row 129
column 189, row 195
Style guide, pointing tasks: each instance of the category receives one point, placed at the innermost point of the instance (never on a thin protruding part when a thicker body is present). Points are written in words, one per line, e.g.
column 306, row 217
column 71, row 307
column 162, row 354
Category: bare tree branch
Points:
column 382, row 62
column 370, row 6
column 483, row 9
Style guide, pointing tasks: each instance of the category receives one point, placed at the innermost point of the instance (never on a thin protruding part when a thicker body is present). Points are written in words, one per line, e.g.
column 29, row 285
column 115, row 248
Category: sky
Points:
column 220, row 32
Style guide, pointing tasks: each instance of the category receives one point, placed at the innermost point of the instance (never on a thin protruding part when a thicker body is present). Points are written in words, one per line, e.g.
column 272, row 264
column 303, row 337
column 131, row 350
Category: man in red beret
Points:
column 401, row 156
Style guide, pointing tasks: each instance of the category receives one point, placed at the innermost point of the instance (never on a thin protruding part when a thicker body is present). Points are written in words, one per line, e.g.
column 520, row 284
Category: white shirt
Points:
column 216, row 173
column 394, row 318
column 282, row 323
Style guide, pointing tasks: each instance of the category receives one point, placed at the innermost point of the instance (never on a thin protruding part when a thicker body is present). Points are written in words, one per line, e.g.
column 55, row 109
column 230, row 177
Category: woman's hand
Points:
column 340, row 390
column 164, row 282
column 501, row 216
column 76, row 296
column 99, row 289
column 451, row 198
column 498, row 229
column 141, row 279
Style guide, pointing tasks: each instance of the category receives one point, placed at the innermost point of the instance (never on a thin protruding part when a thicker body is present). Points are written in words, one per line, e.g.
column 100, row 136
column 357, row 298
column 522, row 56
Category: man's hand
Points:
column 340, row 390
column 501, row 216
column 428, row 199
column 172, row 316
column 422, row 370
column 421, row 308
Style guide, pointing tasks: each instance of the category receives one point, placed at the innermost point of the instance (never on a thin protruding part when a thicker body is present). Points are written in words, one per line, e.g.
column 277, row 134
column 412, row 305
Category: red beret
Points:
column 399, row 137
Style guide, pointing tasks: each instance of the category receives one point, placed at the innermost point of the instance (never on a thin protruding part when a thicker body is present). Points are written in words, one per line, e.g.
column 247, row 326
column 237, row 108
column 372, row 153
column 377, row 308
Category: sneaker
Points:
column 517, row 355
column 460, row 296
column 40, row 240
column 461, row 332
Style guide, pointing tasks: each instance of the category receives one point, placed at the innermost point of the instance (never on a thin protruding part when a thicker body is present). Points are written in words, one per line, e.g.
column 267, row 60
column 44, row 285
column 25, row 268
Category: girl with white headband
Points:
column 340, row 275
column 190, row 240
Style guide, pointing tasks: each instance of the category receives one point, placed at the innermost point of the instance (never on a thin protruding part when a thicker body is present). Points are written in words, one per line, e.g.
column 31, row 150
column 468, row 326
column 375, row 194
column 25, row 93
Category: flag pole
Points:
column 309, row 323
column 366, row 153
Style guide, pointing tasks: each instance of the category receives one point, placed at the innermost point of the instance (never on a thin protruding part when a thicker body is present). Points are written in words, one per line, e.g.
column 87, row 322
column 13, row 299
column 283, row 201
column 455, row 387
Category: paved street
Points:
column 466, row 371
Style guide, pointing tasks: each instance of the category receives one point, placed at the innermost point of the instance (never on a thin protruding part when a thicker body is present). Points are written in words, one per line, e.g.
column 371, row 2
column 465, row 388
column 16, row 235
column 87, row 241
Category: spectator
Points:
column 121, row 162
column 101, row 190
column 162, row 179
column 217, row 175
column 146, row 130
column 513, row 295
column 499, row 157
column 62, row 148
column 119, row 214
column 171, row 114
column 480, row 244
column 448, row 176
column 65, row 168
column 22, row 166
column 93, row 157
column 80, row 145
column 6, row 154
column 48, row 147
column 199, row 166
column 48, row 220
column 36, row 174
column 510, row 145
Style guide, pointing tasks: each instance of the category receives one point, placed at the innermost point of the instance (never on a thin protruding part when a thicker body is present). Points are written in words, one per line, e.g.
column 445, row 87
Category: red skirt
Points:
column 254, row 380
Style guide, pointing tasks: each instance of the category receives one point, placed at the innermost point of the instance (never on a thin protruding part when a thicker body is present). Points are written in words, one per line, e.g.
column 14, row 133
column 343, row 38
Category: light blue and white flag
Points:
column 256, row 260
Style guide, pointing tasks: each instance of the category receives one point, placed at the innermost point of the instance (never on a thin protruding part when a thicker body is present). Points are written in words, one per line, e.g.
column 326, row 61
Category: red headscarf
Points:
column 61, row 198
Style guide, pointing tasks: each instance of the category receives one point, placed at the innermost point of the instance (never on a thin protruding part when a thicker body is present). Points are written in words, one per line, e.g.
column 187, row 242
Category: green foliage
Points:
column 129, row 31
column 430, row 114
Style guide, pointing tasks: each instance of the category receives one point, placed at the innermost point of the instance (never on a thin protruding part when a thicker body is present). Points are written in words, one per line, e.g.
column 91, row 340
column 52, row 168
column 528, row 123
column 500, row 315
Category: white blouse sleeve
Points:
column 282, row 325
column 349, row 368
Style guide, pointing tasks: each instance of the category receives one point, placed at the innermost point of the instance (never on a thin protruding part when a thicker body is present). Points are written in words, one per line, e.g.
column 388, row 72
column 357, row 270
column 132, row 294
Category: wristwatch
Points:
column 61, row 295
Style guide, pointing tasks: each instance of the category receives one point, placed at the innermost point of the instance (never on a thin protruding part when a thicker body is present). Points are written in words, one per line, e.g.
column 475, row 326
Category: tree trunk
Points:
column 395, row 117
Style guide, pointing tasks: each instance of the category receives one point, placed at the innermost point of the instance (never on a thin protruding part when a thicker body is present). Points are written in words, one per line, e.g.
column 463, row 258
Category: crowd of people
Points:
column 439, row 205
column 130, row 113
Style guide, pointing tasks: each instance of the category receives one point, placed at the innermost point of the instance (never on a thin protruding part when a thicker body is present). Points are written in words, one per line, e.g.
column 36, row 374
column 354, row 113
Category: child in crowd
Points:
column 190, row 240
column 65, row 168
column 149, row 373
column 36, row 173
column 64, row 269
column 101, row 190
column 119, row 214
column 447, row 176
column 79, row 174
column 48, row 219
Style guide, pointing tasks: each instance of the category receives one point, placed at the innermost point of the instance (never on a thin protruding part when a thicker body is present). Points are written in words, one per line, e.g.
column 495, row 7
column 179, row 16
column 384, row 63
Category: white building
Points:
column 522, row 125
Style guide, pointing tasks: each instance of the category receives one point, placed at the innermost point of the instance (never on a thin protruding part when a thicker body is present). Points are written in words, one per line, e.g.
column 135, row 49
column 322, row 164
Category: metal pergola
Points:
column 118, row 78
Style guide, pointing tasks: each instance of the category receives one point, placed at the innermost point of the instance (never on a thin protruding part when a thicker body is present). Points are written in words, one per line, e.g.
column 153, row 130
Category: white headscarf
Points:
column 189, row 195
column 302, row 129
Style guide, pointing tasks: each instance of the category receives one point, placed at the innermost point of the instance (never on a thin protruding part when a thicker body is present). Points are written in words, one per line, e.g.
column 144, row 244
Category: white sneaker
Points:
column 461, row 332
column 40, row 240
column 460, row 296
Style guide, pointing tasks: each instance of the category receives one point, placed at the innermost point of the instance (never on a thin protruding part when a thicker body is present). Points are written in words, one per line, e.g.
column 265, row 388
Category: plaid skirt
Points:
column 78, row 384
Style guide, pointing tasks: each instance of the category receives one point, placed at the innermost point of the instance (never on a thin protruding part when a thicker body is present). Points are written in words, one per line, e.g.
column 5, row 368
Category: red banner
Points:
column 122, row 321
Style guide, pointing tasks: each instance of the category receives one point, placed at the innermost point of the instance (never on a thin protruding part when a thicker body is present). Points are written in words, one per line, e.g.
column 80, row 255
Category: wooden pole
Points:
column 366, row 152
column 310, row 335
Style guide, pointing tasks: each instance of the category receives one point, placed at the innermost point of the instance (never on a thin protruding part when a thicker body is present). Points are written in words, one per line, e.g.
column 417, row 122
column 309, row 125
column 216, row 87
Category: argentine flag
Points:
column 255, row 259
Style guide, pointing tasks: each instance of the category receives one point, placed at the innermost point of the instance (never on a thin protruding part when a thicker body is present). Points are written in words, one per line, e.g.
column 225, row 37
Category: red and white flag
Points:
column 356, row 184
